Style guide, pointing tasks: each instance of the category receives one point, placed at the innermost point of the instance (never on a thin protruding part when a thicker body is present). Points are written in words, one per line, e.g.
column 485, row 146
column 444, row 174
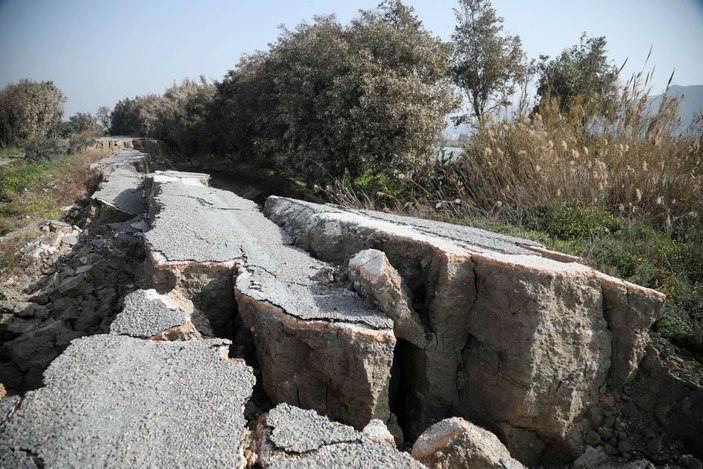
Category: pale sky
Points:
column 100, row 51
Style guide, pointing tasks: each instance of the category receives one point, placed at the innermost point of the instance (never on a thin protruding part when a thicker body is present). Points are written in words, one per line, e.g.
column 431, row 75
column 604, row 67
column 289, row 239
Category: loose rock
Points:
column 455, row 442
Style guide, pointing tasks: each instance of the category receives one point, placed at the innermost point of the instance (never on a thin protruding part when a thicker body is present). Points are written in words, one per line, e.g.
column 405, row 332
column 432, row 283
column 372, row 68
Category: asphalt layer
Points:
column 122, row 183
column 307, row 439
column 297, row 430
column 145, row 315
column 198, row 224
column 464, row 235
column 116, row 401
column 195, row 223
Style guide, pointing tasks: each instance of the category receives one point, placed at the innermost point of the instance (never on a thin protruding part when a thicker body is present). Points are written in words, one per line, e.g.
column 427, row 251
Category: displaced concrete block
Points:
column 378, row 433
column 374, row 277
column 454, row 442
column 630, row 311
column 148, row 315
column 319, row 347
column 517, row 339
column 120, row 195
column 190, row 253
column 293, row 437
column 119, row 401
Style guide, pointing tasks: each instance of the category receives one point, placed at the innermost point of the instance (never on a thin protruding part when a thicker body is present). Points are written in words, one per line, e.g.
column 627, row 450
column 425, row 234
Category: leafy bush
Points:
column 328, row 99
column 178, row 117
column 78, row 144
column 29, row 109
column 84, row 122
column 43, row 149
column 61, row 130
column 135, row 117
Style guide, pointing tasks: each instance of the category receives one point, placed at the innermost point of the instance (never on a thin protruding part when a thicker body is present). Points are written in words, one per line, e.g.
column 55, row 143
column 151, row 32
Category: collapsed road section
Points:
column 367, row 332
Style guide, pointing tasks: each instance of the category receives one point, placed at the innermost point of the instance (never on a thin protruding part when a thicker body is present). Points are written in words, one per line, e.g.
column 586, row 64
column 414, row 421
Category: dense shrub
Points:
column 329, row 99
column 136, row 117
column 178, row 117
column 29, row 109
column 84, row 122
column 43, row 149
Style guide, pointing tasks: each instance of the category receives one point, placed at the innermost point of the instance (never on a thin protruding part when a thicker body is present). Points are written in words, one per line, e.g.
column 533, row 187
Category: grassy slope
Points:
column 31, row 192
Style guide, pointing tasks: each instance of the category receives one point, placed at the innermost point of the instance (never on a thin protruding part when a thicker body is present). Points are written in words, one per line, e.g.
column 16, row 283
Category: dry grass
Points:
column 10, row 245
column 30, row 192
column 629, row 162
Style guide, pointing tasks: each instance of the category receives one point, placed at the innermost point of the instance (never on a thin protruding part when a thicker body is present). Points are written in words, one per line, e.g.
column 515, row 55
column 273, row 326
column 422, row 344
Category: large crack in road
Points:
column 489, row 330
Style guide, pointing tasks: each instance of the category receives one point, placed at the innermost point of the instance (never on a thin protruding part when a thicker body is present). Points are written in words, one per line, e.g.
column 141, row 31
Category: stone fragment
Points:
column 70, row 240
column 454, row 442
column 673, row 397
column 40, row 346
column 689, row 461
column 74, row 286
column 147, row 314
column 373, row 276
column 57, row 226
column 378, row 433
column 292, row 437
column 19, row 326
column 119, row 401
column 592, row 458
column 592, row 438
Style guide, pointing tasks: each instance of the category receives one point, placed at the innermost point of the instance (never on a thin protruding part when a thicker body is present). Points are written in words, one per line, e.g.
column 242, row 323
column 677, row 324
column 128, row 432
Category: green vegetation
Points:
column 33, row 191
column 29, row 110
column 326, row 99
column 629, row 249
column 486, row 64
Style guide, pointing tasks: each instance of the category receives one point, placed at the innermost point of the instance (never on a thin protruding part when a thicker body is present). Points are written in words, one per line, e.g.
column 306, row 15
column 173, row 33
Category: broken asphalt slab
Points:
column 115, row 401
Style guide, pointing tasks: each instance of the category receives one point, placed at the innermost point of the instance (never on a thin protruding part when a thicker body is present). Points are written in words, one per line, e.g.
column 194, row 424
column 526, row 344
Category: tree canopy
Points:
column 329, row 99
column 486, row 62
column 580, row 73
column 29, row 109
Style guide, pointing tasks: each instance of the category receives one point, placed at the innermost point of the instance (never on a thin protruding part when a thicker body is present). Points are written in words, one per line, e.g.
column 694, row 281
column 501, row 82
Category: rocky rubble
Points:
column 74, row 287
column 523, row 344
column 362, row 332
column 454, row 442
column 291, row 437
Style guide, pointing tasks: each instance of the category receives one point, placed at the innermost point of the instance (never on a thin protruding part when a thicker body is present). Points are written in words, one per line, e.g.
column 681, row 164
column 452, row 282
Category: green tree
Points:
column 486, row 62
column 136, row 117
column 181, row 114
column 103, row 117
column 329, row 100
column 582, row 74
column 84, row 122
column 29, row 109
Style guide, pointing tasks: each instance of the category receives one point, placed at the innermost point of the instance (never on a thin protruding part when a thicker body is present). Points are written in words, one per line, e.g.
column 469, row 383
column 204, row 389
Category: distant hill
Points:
column 691, row 103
